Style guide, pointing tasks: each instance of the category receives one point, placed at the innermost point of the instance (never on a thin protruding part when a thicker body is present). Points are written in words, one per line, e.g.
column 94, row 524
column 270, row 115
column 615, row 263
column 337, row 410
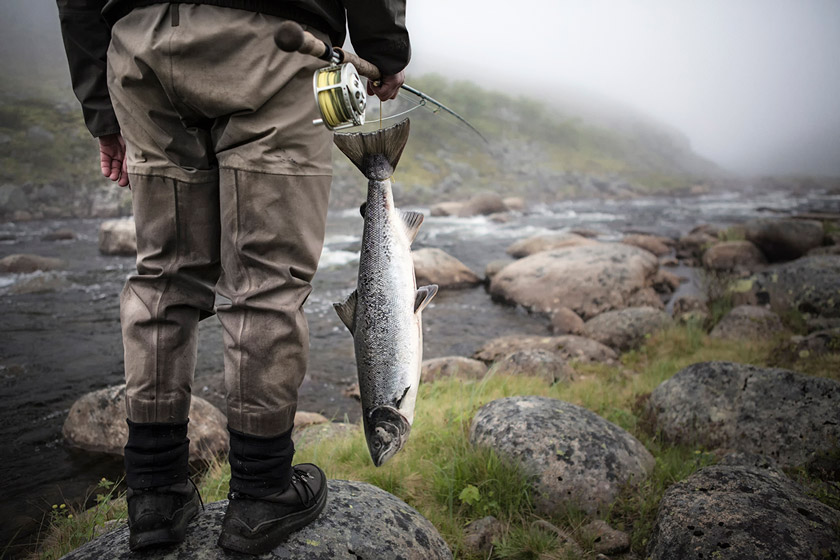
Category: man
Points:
column 210, row 125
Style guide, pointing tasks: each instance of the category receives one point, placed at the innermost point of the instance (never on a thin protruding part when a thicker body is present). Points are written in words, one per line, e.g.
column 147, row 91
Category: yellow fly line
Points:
column 330, row 100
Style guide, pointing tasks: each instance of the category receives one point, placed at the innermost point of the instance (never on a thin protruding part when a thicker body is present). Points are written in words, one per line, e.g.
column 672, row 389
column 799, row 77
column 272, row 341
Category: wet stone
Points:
column 359, row 522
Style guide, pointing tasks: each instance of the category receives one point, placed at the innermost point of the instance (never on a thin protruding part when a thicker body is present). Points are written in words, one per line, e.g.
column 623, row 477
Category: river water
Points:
column 58, row 345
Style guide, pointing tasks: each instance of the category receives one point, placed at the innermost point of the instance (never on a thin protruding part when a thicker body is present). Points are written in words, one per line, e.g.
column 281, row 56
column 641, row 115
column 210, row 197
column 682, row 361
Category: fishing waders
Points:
column 230, row 184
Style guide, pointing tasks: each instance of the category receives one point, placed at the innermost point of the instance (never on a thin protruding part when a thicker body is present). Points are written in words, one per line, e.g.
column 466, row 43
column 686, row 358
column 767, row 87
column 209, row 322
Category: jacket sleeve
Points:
column 86, row 38
column 378, row 32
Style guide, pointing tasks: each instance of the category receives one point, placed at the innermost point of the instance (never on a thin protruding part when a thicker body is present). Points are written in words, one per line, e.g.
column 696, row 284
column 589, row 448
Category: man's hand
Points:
column 389, row 86
column 112, row 158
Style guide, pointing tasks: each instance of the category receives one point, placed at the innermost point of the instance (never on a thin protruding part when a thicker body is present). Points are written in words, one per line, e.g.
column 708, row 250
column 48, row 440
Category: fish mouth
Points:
column 386, row 432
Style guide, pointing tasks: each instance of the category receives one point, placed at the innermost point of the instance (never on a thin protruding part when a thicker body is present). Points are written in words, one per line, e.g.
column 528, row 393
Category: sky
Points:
column 754, row 84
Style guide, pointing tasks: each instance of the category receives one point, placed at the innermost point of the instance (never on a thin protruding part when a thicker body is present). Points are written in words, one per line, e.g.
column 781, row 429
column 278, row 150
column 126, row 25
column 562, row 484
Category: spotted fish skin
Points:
column 384, row 312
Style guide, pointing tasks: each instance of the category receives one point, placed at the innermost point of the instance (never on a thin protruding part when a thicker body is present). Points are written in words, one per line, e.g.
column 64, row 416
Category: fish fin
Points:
column 376, row 153
column 363, row 209
column 412, row 221
column 424, row 296
column 347, row 310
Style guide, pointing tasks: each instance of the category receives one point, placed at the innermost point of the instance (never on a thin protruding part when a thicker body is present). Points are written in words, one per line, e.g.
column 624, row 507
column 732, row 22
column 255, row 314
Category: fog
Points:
column 754, row 84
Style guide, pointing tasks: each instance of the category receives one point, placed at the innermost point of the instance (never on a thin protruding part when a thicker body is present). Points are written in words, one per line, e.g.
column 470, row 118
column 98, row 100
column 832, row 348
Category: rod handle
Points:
column 291, row 37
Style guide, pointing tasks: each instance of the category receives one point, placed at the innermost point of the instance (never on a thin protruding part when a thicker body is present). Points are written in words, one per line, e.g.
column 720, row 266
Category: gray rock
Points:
column 493, row 268
column 666, row 282
column 688, row 309
column 750, row 322
column 452, row 366
column 435, row 266
column 827, row 250
column 117, row 237
column 536, row 363
column 575, row 455
column 784, row 239
column 359, row 522
column 566, row 321
column 815, row 344
column 626, row 329
column 483, row 204
column 734, row 256
column 446, row 209
column 96, row 422
column 570, row 347
column 742, row 512
column 588, row 280
column 515, row 203
column 39, row 283
column 25, row 264
column 646, row 297
column 12, row 199
column 62, row 234
column 652, row 243
column 809, row 285
column 693, row 245
column 546, row 242
column 605, row 539
column 316, row 433
column 774, row 412
column 480, row 534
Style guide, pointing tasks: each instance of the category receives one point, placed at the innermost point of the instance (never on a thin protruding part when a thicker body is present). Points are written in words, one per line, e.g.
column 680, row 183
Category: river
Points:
column 58, row 345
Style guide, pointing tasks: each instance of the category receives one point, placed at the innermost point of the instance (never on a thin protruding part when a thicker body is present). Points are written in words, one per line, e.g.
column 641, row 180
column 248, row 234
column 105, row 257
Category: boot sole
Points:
column 162, row 537
column 273, row 537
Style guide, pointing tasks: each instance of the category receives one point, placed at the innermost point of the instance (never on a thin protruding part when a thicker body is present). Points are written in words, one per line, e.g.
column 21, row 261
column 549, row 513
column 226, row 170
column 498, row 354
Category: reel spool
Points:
column 340, row 95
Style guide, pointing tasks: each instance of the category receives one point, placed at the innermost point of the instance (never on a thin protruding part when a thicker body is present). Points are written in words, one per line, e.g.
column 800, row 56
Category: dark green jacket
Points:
column 377, row 29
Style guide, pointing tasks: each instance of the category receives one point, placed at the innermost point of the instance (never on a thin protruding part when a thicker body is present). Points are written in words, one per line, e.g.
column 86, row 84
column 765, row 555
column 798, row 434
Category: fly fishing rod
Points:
column 339, row 93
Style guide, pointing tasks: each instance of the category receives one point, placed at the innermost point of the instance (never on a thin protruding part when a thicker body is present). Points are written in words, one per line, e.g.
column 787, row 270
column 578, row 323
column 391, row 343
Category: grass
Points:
column 451, row 483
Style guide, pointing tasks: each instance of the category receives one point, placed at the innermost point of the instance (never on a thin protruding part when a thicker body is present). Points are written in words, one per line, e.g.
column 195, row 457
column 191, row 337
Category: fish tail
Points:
column 376, row 153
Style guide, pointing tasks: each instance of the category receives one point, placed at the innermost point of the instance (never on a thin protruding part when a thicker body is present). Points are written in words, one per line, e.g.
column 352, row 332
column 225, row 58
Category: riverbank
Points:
column 453, row 483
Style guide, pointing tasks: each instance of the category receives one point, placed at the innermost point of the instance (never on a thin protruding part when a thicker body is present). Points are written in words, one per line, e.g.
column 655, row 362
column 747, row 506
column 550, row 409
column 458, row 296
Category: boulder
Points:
column 784, row 239
column 446, row 209
column 815, row 344
column 344, row 531
column 435, row 266
column 689, row 309
column 785, row 415
column 576, row 457
column 493, row 268
column 483, row 204
column 515, row 203
column 655, row 244
column 734, row 256
column 693, row 245
column 750, row 322
column 305, row 419
column 588, row 280
column 96, row 422
column 742, row 512
column 570, row 347
column 25, row 264
column 605, row 539
column 118, row 237
column 62, row 234
column 827, row 250
column 646, row 297
column 536, row 363
column 480, row 534
column 566, row 321
column 546, row 242
column 626, row 329
column 666, row 282
column 316, row 433
column 809, row 285
column 452, row 366
column 38, row 283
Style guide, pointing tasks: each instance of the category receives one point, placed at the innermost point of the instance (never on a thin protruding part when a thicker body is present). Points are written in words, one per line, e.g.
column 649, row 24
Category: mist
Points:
column 754, row 85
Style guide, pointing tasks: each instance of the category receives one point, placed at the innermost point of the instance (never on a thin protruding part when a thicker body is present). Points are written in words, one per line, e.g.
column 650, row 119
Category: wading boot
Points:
column 258, row 525
column 159, row 516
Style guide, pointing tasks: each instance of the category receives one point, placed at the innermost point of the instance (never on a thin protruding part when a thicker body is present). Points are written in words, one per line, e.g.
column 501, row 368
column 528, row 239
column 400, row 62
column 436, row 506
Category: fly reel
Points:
column 340, row 95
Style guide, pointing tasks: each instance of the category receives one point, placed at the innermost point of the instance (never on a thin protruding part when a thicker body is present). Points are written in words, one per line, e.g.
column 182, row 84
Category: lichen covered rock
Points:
column 742, row 512
column 359, row 522
column 575, row 456
column 570, row 347
column 782, row 414
column 749, row 322
column 626, row 329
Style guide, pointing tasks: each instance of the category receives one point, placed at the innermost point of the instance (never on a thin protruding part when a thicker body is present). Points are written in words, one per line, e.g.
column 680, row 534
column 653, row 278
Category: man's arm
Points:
column 378, row 32
column 86, row 39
